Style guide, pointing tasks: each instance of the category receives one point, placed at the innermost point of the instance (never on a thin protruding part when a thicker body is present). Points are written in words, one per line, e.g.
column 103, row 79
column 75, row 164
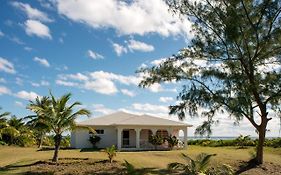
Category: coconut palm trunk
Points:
column 58, row 138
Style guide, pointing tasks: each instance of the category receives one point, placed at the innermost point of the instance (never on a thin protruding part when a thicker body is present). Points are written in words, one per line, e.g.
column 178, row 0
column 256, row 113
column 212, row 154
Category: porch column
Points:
column 185, row 137
column 154, row 131
column 170, row 131
column 137, row 138
column 119, row 138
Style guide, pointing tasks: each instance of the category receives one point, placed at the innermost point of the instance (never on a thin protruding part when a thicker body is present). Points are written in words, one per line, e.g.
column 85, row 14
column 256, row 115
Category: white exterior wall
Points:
column 80, row 137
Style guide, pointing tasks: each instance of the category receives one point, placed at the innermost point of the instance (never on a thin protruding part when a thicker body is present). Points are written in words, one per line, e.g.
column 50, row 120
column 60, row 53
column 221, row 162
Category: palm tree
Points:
column 111, row 152
column 38, row 122
column 3, row 121
column 193, row 167
column 59, row 116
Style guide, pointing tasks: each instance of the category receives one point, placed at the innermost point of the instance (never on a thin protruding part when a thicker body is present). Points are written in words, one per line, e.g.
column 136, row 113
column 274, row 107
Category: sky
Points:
column 93, row 50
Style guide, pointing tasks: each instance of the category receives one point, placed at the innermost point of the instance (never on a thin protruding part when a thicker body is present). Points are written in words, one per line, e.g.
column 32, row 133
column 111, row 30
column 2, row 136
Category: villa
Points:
column 126, row 131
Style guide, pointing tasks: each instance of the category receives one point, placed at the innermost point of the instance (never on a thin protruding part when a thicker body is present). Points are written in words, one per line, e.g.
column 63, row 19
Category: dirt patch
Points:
column 265, row 168
column 76, row 166
column 83, row 166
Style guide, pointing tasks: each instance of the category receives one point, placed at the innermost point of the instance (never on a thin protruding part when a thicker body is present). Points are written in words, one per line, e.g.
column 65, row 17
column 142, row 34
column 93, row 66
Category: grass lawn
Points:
column 19, row 159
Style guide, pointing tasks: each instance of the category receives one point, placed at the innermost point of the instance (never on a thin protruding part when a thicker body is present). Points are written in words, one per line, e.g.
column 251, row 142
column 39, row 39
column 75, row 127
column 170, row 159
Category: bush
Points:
column 172, row 141
column 94, row 139
column 156, row 140
column 111, row 152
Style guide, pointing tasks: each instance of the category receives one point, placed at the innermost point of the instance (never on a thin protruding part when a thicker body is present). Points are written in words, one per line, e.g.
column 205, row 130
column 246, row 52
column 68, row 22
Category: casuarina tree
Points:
column 231, row 64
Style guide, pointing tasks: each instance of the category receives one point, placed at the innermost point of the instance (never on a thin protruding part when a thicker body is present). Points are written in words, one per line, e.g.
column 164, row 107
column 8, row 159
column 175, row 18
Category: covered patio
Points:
column 137, row 138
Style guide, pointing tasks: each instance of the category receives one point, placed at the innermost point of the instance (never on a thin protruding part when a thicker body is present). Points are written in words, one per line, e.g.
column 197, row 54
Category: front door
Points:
column 126, row 135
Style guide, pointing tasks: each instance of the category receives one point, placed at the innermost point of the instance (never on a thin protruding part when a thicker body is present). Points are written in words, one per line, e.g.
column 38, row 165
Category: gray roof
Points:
column 123, row 118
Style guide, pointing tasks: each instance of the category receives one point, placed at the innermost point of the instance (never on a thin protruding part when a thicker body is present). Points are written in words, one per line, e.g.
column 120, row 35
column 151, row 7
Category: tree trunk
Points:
column 262, row 131
column 58, row 138
column 40, row 141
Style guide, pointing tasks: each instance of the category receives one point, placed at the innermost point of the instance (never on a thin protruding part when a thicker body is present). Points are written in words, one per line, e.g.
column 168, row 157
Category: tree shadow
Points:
column 52, row 148
column 14, row 166
column 90, row 149
column 245, row 166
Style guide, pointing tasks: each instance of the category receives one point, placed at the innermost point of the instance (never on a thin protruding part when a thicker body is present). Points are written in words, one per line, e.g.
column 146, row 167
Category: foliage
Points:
column 242, row 141
column 111, row 152
column 37, row 122
column 58, row 115
column 193, row 167
column 232, row 64
column 221, row 170
column 156, row 140
column 65, row 142
column 94, row 139
column 172, row 141
column 15, row 132
column 130, row 169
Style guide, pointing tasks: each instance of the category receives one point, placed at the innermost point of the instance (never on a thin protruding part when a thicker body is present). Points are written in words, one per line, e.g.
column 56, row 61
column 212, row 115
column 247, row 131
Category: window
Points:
column 98, row 132
column 163, row 133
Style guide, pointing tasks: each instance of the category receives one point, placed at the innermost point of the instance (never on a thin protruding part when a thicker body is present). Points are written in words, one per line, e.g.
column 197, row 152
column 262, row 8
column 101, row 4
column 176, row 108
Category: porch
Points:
column 129, row 138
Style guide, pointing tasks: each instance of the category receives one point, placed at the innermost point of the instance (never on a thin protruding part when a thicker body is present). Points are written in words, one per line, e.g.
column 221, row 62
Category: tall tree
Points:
column 37, row 122
column 59, row 116
column 231, row 64
column 3, row 121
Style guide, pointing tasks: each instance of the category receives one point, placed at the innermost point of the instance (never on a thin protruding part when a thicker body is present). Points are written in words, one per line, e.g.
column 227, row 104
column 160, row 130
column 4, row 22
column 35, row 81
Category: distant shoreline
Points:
column 220, row 138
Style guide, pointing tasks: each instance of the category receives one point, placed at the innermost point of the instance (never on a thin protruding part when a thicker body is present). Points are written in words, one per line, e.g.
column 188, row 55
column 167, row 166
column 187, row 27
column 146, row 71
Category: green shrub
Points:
column 156, row 140
column 111, row 152
column 94, row 139
column 172, row 141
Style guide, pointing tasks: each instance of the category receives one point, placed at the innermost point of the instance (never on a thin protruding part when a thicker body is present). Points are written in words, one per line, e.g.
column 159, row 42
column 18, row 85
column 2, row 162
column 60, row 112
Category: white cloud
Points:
column 16, row 40
column 34, row 27
column 119, row 49
column 66, row 83
column 128, row 92
column 4, row 90
column 78, row 76
column 27, row 95
column 151, row 108
column 94, row 55
column 98, row 81
column 158, row 61
column 156, row 87
column 100, row 108
column 102, row 86
column 7, row 66
column 28, row 48
column 166, row 99
column 42, row 83
column 127, row 80
column 19, row 81
column 42, row 61
column 134, row 17
column 2, row 80
column 32, row 13
column 35, row 84
column 1, row 34
column 134, row 45
column 19, row 104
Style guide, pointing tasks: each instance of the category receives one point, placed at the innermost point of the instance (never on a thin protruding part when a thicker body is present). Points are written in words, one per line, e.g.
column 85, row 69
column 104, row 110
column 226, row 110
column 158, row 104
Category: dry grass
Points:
column 18, row 159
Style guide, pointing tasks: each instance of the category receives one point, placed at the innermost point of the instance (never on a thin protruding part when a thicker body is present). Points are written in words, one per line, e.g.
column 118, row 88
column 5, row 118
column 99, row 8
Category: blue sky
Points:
column 92, row 49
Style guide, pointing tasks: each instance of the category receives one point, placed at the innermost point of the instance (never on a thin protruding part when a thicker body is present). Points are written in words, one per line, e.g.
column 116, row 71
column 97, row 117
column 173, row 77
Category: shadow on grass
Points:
column 14, row 166
column 52, row 148
column 245, row 166
column 90, row 149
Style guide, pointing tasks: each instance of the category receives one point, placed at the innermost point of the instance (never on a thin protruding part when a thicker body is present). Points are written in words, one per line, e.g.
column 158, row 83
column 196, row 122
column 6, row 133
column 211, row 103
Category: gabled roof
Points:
column 123, row 118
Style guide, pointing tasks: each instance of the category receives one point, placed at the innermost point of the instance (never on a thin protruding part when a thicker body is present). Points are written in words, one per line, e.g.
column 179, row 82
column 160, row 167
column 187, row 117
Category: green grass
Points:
column 150, row 159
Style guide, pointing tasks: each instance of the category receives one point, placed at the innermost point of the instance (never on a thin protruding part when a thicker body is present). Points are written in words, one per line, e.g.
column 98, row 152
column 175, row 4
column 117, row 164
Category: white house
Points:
column 126, row 131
